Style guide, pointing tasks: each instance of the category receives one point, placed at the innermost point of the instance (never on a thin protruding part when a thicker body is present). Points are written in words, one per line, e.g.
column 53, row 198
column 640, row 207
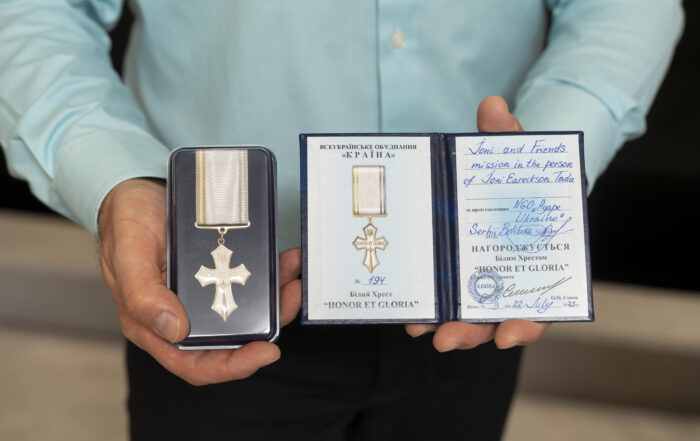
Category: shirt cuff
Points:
column 88, row 167
column 560, row 107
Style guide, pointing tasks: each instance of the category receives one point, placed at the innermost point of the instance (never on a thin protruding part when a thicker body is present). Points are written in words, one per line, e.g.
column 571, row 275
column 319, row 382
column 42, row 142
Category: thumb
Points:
column 145, row 296
column 493, row 116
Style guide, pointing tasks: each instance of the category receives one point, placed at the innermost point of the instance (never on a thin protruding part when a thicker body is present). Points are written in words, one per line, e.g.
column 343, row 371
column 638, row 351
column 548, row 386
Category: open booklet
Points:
column 429, row 228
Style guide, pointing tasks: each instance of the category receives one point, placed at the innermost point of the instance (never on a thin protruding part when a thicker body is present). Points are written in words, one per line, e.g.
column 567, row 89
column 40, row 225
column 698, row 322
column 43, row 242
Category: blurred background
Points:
column 634, row 374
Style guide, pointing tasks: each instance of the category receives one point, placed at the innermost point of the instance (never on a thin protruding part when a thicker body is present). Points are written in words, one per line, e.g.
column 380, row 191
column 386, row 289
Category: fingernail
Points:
column 450, row 347
column 167, row 326
column 273, row 358
column 511, row 344
column 458, row 346
column 422, row 329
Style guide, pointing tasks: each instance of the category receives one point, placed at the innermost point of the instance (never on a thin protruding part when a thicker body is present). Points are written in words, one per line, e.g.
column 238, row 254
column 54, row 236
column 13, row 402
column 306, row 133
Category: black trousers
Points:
column 334, row 383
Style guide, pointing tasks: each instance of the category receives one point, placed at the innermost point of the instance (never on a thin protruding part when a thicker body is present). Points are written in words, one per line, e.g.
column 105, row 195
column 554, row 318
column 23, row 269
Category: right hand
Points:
column 132, row 230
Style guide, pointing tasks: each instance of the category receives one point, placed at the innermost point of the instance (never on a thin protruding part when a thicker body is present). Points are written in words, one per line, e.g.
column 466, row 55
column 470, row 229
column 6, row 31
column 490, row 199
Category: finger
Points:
column 493, row 116
column 217, row 366
column 458, row 335
column 518, row 333
column 418, row 329
column 143, row 293
column 246, row 360
column 290, row 265
column 206, row 367
column 290, row 301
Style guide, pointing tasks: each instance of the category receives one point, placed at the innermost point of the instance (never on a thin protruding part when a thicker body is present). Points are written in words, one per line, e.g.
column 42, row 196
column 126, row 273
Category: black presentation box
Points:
column 190, row 248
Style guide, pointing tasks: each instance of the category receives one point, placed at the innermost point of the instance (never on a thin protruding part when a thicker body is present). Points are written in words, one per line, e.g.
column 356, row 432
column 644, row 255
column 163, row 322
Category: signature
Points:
column 511, row 290
column 542, row 234
column 533, row 234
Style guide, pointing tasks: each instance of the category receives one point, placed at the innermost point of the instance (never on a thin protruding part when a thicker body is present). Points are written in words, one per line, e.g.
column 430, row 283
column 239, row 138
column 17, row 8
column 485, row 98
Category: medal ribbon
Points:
column 369, row 191
column 222, row 187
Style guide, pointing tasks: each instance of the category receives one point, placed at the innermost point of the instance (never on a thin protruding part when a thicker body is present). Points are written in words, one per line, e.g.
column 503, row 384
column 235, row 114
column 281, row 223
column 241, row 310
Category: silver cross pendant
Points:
column 223, row 277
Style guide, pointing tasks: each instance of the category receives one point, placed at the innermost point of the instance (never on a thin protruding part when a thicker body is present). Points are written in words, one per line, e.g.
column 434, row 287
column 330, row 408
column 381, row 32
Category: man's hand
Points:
column 493, row 116
column 132, row 229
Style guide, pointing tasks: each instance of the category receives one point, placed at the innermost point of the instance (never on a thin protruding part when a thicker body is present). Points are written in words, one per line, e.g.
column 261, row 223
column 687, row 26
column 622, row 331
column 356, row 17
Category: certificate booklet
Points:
column 429, row 228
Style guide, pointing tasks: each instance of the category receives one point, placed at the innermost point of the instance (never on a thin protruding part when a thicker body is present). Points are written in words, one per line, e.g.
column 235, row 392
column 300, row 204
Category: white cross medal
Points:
column 222, row 205
column 369, row 200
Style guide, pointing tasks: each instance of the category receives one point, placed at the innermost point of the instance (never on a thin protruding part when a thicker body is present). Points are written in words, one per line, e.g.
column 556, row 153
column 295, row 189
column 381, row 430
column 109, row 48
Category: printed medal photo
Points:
column 369, row 200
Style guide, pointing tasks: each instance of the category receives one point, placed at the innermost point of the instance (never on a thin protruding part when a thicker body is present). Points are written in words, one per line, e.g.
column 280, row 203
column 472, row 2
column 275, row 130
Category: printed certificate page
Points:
column 369, row 229
column 522, row 227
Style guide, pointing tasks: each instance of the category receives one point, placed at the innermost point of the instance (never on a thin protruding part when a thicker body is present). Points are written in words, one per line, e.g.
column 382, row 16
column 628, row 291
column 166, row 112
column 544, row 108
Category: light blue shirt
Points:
column 261, row 72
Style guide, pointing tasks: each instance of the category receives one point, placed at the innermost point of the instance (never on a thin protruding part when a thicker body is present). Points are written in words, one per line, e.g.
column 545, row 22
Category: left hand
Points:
column 492, row 116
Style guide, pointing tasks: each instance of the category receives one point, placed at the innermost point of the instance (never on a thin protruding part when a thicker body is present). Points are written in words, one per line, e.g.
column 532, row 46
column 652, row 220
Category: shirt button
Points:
column 398, row 40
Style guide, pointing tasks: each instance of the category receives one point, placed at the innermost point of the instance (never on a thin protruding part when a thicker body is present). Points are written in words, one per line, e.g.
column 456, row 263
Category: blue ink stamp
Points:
column 485, row 287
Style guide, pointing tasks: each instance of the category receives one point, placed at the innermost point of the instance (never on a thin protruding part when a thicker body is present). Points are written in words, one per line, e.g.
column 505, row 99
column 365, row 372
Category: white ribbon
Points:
column 222, row 187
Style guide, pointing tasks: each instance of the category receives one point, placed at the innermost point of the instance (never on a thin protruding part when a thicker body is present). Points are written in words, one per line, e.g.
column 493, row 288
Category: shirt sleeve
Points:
column 68, row 125
column 600, row 71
